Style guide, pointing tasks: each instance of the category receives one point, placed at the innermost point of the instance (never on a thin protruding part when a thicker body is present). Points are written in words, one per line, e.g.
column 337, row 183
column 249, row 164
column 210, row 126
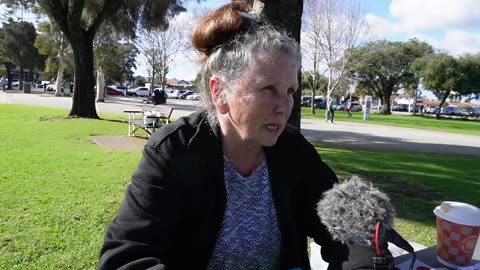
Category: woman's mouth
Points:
column 272, row 127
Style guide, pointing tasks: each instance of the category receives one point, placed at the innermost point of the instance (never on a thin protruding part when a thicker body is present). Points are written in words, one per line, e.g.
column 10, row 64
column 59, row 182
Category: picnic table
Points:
column 149, row 118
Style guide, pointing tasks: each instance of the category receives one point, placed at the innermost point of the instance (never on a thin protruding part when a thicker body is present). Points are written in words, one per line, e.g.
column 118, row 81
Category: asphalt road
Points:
column 355, row 135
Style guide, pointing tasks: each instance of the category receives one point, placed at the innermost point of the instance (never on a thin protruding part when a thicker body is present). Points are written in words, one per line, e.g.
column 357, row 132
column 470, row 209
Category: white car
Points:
column 175, row 93
column 51, row 87
column 194, row 96
column 139, row 91
column 41, row 84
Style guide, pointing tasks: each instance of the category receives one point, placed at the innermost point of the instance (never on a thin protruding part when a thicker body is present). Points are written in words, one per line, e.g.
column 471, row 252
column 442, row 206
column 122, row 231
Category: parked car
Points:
column 139, row 91
column 176, row 94
column 186, row 94
column 305, row 101
column 116, row 90
column 42, row 84
column 450, row 110
column 341, row 107
column 194, row 96
column 472, row 112
column 356, row 106
column 319, row 103
column 400, row 107
column 51, row 86
column 169, row 93
column 429, row 109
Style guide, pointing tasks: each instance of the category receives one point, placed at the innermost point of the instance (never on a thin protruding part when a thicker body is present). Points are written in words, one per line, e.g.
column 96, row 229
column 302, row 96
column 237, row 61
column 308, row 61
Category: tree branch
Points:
column 102, row 15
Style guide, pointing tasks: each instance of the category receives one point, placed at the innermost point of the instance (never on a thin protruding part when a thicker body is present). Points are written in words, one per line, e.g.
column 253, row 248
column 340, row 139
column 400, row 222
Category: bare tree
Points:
column 185, row 23
column 310, row 45
column 53, row 43
column 159, row 49
column 333, row 28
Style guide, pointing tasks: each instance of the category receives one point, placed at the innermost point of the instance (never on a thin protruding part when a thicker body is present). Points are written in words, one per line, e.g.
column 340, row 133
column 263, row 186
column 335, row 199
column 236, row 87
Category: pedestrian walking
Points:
column 3, row 83
column 332, row 104
column 349, row 108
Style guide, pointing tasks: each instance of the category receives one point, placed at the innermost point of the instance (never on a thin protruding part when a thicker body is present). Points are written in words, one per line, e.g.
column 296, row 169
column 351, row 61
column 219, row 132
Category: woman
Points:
column 332, row 103
column 232, row 186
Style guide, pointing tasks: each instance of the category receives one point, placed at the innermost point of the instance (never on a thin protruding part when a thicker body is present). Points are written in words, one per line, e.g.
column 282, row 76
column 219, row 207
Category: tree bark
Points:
column 100, row 85
column 287, row 14
column 442, row 101
column 9, row 67
column 20, row 79
column 386, row 109
column 59, row 81
column 83, row 103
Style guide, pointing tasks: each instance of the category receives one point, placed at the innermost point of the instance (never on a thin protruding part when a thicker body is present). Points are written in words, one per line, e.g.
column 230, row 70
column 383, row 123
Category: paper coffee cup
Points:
column 458, row 229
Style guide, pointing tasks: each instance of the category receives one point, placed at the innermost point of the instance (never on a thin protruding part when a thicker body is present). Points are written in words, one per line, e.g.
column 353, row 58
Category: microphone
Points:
column 350, row 211
column 358, row 214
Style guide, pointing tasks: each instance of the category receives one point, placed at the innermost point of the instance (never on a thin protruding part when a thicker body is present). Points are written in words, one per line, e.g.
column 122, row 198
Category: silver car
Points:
column 139, row 91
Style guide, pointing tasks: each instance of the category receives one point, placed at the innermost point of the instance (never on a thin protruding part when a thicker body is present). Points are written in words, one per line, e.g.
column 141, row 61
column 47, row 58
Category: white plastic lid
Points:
column 460, row 213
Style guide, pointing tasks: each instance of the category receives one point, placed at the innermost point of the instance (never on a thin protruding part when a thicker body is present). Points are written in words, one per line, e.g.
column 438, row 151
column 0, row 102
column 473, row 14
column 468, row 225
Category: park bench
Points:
column 149, row 118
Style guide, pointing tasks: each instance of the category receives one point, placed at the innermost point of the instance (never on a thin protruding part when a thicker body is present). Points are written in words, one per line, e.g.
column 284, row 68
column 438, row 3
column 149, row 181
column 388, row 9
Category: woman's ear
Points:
column 218, row 96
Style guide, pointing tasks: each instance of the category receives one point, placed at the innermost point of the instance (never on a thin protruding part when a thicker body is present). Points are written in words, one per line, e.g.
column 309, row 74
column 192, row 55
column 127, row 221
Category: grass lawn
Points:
column 464, row 126
column 59, row 190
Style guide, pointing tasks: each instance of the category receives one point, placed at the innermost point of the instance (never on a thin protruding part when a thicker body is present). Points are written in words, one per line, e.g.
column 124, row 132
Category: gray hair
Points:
column 232, row 60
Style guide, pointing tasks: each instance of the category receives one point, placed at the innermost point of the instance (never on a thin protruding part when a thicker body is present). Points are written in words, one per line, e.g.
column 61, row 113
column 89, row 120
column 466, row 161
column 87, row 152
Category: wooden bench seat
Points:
column 150, row 118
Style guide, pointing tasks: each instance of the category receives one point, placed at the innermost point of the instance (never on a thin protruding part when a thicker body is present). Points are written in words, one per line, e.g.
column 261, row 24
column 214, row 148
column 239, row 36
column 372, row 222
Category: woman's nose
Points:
column 284, row 104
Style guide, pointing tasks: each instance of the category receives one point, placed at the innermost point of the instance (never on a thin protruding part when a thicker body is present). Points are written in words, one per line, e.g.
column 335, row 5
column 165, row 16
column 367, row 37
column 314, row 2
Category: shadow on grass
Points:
column 416, row 183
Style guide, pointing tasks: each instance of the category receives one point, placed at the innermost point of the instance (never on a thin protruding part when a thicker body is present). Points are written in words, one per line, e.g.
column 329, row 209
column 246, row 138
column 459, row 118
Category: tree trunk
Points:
column 100, row 85
column 20, row 79
column 9, row 67
column 83, row 104
column 59, row 81
column 386, row 109
column 442, row 101
column 287, row 14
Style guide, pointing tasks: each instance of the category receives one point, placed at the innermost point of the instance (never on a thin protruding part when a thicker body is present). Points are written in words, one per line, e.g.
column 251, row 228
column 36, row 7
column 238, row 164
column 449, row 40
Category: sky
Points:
column 450, row 26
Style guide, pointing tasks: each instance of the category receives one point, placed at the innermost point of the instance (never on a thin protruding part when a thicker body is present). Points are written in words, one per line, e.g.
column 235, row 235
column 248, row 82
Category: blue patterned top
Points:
column 250, row 237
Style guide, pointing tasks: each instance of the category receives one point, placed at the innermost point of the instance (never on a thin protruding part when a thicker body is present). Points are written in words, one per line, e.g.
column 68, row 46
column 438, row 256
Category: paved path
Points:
column 377, row 137
column 356, row 135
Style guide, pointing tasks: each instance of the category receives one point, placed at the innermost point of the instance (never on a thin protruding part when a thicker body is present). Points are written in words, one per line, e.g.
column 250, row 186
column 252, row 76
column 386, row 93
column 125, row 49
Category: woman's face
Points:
column 258, row 107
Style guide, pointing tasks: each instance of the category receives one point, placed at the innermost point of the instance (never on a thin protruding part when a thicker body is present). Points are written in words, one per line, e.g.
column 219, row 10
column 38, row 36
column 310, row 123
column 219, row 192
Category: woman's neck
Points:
column 244, row 157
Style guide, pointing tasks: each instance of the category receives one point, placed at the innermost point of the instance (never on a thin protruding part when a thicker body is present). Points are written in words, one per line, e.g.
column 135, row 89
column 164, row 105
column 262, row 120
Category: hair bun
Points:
column 219, row 27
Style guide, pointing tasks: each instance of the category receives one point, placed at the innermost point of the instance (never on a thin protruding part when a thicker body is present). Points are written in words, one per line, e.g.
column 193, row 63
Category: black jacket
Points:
column 174, row 206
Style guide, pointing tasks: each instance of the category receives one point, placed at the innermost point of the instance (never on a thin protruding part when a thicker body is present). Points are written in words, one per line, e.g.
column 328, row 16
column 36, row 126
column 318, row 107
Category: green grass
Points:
column 416, row 183
column 59, row 190
column 463, row 126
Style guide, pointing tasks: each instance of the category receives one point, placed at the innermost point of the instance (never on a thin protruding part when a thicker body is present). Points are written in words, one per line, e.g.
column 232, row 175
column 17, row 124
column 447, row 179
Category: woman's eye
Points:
column 268, row 89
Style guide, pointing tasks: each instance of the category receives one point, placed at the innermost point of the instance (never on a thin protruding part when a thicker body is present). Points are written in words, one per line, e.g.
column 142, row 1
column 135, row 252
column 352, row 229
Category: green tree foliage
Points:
column 5, row 60
column 471, row 68
column 443, row 75
column 18, row 44
column 80, row 21
column 383, row 66
column 52, row 43
column 198, row 79
column 307, row 82
column 139, row 81
column 113, row 60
